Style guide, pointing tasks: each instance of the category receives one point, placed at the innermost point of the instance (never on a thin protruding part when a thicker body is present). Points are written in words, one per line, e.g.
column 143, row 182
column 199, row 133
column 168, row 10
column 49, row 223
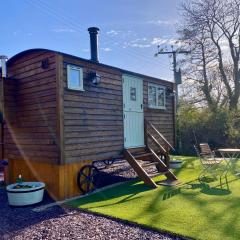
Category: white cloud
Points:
column 158, row 41
column 139, row 40
column 106, row 49
column 175, row 42
column 113, row 32
column 166, row 41
column 137, row 45
column 64, row 30
column 163, row 22
column 147, row 42
column 17, row 32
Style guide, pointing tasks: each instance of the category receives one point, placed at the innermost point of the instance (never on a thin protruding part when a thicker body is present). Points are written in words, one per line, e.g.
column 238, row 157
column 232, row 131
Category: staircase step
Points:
column 148, row 164
column 138, row 169
column 143, row 156
column 137, row 150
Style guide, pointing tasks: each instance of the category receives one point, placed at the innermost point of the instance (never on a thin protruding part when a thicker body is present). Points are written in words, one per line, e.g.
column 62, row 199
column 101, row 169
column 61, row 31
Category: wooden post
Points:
column 167, row 158
column 6, row 169
column 145, row 133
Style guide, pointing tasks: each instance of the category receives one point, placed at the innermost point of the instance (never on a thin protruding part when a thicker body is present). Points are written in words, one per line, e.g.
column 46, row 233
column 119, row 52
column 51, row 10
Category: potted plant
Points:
column 25, row 193
column 175, row 163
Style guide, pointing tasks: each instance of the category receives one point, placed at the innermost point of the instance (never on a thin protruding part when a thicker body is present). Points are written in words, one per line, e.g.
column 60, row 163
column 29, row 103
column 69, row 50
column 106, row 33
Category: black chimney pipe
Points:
column 93, row 31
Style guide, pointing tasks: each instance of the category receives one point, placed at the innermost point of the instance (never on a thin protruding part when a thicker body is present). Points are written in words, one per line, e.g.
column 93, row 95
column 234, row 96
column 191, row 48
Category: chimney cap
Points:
column 93, row 30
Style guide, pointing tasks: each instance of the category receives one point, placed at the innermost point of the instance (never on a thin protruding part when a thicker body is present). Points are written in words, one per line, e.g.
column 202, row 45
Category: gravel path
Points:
column 64, row 223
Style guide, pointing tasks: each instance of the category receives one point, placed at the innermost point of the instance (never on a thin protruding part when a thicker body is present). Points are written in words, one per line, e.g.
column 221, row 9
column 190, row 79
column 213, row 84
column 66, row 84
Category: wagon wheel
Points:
column 108, row 162
column 86, row 178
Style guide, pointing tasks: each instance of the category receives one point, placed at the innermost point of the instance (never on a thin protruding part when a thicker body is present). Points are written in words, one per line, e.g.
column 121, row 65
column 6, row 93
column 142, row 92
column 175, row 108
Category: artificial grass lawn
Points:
column 193, row 209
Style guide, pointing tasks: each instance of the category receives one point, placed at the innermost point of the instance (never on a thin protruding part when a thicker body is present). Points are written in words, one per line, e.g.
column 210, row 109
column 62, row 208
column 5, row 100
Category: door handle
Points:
column 141, row 106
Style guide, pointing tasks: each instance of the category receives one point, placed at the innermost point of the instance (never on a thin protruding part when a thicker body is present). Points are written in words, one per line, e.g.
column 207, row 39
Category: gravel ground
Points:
column 64, row 223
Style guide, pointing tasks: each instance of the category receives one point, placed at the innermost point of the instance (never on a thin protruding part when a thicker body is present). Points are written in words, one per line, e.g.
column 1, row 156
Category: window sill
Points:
column 157, row 108
column 75, row 89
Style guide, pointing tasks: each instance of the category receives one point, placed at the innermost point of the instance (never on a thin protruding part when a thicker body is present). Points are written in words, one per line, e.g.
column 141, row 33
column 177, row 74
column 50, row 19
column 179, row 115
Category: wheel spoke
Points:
column 83, row 174
column 87, row 178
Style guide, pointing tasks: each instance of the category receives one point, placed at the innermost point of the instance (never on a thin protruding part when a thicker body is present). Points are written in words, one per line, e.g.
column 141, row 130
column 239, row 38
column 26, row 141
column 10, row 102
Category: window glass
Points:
column 152, row 96
column 156, row 96
column 75, row 79
column 161, row 97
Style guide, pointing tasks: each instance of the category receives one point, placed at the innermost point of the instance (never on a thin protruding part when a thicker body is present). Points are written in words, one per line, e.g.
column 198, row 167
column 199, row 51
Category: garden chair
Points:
column 210, row 163
column 209, row 154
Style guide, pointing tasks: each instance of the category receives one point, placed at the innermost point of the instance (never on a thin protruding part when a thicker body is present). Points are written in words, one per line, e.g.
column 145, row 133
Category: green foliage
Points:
column 220, row 128
column 233, row 128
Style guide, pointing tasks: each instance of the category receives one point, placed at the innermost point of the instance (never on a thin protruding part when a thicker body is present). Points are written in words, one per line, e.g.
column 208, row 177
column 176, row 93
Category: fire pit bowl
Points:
column 25, row 193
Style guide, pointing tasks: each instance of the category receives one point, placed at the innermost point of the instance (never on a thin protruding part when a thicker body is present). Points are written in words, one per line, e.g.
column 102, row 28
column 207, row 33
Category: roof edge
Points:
column 13, row 58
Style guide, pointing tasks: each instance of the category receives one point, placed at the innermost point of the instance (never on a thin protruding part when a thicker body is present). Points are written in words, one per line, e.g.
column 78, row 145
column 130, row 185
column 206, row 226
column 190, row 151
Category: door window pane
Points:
column 133, row 94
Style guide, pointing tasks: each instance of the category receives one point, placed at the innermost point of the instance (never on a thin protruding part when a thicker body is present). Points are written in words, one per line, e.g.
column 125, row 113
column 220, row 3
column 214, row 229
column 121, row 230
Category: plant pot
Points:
column 25, row 196
column 175, row 164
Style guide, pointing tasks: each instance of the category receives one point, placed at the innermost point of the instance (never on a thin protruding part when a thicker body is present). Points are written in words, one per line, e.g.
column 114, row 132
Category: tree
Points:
column 212, row 30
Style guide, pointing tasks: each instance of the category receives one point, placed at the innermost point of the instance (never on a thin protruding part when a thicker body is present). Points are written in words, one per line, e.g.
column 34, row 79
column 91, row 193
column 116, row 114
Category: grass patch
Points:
column 200, row 210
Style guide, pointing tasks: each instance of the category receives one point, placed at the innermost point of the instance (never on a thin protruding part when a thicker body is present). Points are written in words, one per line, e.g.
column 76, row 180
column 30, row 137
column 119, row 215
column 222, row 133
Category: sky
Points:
column 130, row 30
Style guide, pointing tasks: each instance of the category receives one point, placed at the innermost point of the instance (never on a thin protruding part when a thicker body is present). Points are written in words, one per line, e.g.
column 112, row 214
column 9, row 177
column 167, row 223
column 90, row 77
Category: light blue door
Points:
column 133, row 112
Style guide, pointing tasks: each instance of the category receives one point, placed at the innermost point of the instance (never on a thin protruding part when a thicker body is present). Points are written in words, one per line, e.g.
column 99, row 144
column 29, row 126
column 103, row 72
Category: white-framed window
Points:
column 74, row 77
column 156, row 96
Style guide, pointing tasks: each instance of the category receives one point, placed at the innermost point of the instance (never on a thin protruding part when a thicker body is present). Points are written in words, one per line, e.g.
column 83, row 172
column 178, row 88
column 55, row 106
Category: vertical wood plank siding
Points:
column 31, row 133
column 93, row 118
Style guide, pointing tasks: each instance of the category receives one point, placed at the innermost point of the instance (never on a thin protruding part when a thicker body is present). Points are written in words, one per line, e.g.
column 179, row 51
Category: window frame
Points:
column 157, row 86
column 80, row 70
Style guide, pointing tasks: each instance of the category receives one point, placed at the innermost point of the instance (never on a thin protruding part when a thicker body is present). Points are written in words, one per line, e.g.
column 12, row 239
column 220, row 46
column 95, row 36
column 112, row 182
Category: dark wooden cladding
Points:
column 31, row 134
column 93, row 118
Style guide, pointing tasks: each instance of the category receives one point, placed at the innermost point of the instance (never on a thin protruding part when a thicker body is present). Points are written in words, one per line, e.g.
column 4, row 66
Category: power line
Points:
column 70, row 22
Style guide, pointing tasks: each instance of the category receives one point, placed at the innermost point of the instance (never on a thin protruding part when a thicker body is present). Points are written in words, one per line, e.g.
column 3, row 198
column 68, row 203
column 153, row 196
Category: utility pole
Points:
column 176, row 74
column 177, row 81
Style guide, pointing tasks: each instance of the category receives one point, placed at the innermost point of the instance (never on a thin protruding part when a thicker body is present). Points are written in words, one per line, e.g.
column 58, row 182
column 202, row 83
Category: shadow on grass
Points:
column 126, row 192
column 103, row 178
column 192, row 185
column 189, row 163
column 215, row 191
column 204, row 187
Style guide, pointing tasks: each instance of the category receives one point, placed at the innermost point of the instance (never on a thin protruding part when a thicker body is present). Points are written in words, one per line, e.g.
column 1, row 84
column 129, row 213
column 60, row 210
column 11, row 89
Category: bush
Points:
column 220, row 128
